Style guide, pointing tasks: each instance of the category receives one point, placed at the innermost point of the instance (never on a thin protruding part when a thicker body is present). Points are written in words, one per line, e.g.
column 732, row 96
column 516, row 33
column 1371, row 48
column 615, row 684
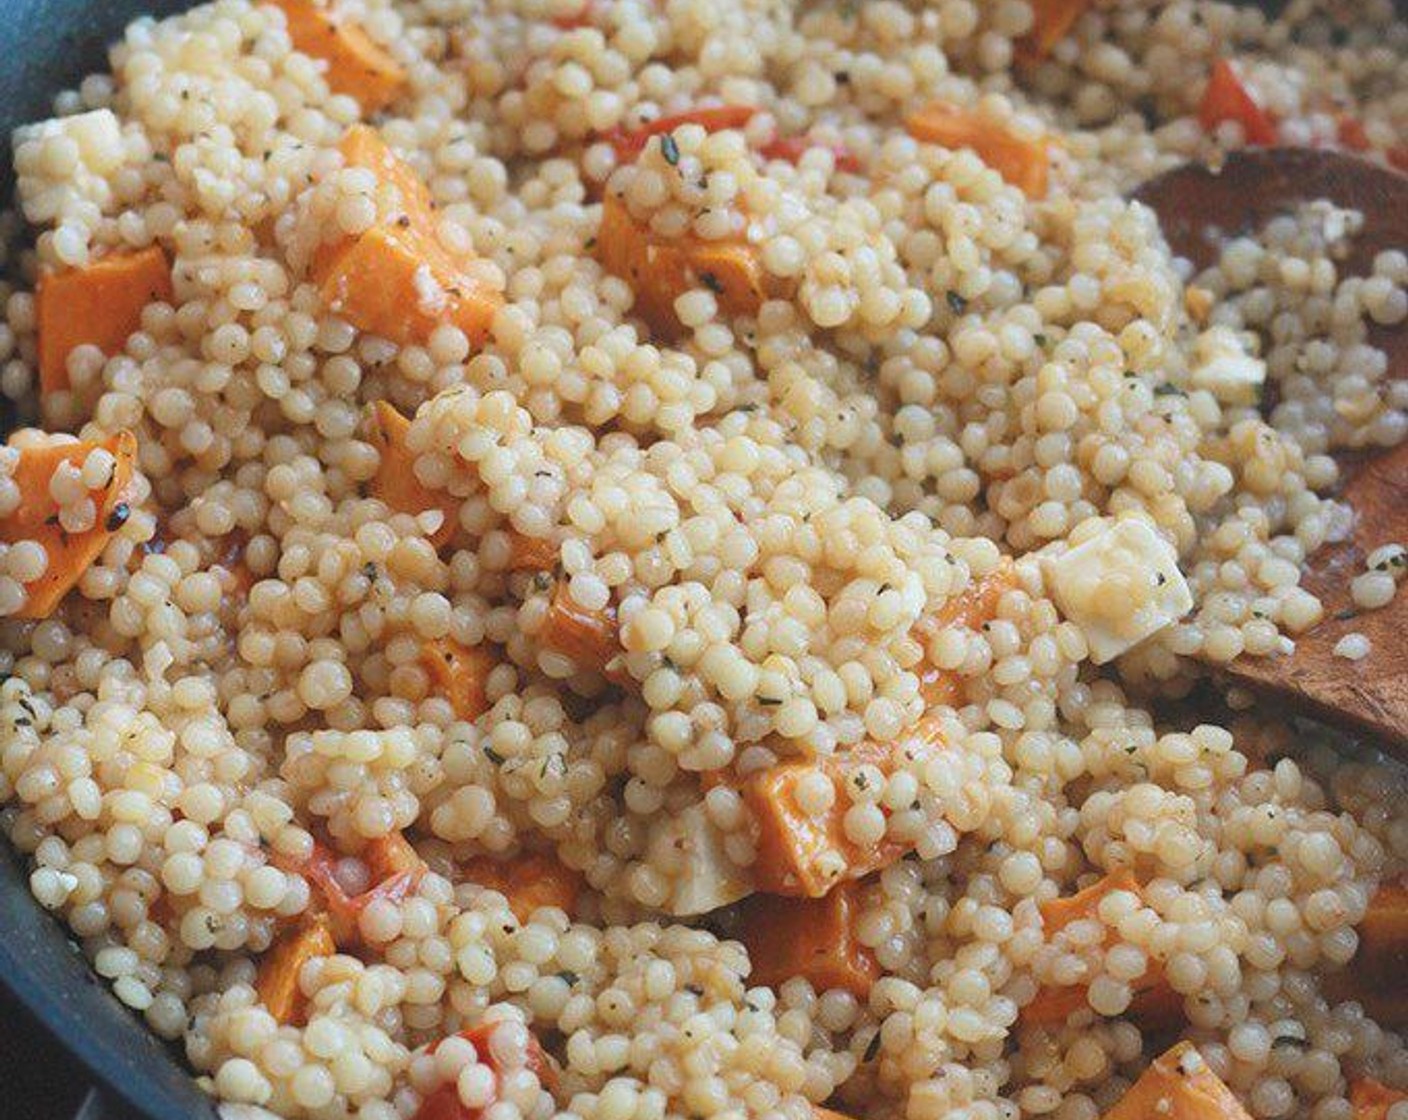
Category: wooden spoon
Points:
column 1200, row 209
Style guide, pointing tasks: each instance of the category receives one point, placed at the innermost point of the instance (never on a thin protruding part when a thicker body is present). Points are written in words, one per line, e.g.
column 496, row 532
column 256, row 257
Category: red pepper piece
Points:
column 792, row 148
column 1351, row 134
column 391, row 860
column 1228, row 99
column 629, row 144
column 444, row 1103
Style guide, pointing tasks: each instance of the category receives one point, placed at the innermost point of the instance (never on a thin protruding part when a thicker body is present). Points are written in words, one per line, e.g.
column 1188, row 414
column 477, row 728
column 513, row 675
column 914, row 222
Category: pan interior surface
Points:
column 49, row 45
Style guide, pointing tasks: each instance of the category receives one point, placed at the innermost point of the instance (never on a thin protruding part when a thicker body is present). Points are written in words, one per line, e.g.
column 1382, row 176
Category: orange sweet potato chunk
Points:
column 281, row 966
column 1374, row 978
column 1382, row 960
column 391, row 855
column 397, row 280
column 357, row 65
column 1025, row 164
column 530, row 882
column 98, row 305
column 1178, row 1085
column 460, row 673
column 661, row 269
column 395, row 481
column 36, row 517
column 363, row 147
column 814, row 938
column 801, row 855
column 400, row 286
column 1154, row 1002
column 1371, row 1099
column 1052, row 22
column 589, row 638
column 531, row 554
column 969, row 609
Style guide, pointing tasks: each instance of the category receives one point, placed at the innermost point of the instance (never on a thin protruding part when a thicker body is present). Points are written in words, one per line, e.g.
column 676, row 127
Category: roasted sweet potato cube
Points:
column 969, row 609
column 461, row 674
column 1375, row 977
column 814, row 938
column 1372, row 1099
column 590, row 638
column 281, row 967
column 1025, row 164
column 661, row 269
column 36, row 518
column 98, row 305
column 1179, row 1086
column 1154, row 1002
column 530, row 881
column 395, row 482
column 357, row 65
column 397, row 280
column 799, row 854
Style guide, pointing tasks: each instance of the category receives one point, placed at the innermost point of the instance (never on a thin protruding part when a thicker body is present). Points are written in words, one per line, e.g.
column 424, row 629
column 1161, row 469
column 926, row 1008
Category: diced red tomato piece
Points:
column 629, row 144
column 1227, row 98
column 444, row 1103
column 1351, row 134
column 392, row 860
column 793, row 148
column 583, row 17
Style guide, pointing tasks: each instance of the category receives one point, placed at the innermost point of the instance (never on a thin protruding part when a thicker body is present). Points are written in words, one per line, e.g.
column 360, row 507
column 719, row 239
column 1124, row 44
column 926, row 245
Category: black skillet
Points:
column 48, row 46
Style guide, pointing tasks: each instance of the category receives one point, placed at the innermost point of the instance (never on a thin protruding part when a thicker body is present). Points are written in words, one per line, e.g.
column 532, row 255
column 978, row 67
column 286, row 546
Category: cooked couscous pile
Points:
column 621, row 559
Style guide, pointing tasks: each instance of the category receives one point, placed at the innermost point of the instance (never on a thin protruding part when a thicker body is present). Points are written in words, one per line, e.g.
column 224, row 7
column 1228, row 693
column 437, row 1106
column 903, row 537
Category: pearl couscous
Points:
column 621, row 559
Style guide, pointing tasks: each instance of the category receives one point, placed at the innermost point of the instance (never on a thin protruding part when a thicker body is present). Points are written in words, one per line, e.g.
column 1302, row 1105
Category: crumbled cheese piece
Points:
column 1223, row 367
column 63, row 169
column 431, row 298
column 708, row 879
column 97, row 134
column 1120, row 586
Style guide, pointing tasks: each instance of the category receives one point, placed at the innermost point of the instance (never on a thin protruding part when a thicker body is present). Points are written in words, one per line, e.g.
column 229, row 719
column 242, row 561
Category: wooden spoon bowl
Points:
column 1200, row 209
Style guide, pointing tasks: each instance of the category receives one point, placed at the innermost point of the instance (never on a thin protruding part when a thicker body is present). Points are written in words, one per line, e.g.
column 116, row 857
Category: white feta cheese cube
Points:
column 97, row 134
column 708, row 879
column 63, row 169
column 1119, row 587
column 1223, row 367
